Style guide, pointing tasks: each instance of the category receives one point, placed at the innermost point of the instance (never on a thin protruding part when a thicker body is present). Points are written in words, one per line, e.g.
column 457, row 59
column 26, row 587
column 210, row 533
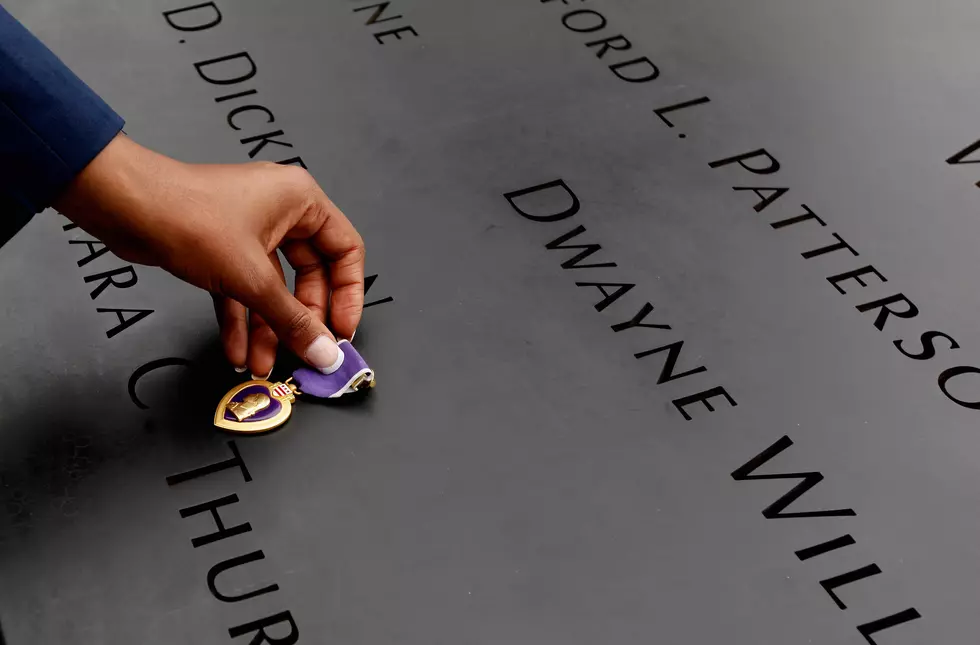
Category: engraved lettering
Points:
column 637, row 320
column 231, row 563
column 225, row 62
column 222, row 532
column 236, row 461
column 259, row 627
column 766, row 200
column 124, row 322
column 588, row 249
column 608, row 298
column 109, row 278
column 547, row 186
column 704, row 398
column 807, row 481
column 770, row 167
column 194, row 22
column 673, row 353
column 910, row 311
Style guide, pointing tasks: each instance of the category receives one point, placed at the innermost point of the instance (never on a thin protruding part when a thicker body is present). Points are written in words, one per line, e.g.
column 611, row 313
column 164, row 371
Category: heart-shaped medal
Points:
column 260, row 406
column 255, row 406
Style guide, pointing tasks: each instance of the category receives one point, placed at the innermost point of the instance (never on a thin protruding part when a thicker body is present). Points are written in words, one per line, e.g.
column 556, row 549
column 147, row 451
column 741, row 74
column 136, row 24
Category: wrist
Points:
column 109, row 196
column 101, row 185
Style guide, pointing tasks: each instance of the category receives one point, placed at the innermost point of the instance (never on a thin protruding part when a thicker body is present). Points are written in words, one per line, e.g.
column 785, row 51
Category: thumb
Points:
column 295, row 325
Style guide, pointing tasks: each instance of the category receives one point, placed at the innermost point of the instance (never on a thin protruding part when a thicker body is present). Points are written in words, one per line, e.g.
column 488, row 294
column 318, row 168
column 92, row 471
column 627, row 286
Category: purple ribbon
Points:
column 331, row 386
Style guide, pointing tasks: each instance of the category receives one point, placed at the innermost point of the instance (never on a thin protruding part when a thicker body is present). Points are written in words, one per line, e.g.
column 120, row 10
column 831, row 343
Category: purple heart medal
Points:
column 259, row 406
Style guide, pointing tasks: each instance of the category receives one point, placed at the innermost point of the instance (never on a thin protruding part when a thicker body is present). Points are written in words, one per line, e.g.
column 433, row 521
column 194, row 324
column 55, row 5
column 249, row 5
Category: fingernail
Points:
column 263, row 378
column 352, row 335
column 324, row 355
column 240, row 369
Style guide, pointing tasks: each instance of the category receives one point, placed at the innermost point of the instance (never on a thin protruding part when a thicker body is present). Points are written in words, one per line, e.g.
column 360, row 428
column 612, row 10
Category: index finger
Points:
column 341, row 245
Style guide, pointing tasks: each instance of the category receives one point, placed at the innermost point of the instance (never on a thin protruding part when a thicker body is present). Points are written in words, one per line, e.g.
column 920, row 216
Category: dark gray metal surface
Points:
column 535, row 483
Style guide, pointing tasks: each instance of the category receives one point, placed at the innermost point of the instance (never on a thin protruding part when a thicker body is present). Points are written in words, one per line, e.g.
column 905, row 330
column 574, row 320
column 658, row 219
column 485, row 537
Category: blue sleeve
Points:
column 51, row 126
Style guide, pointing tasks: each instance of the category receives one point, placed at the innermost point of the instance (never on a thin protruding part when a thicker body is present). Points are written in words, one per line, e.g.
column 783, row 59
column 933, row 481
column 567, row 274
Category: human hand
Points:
column 218, row 228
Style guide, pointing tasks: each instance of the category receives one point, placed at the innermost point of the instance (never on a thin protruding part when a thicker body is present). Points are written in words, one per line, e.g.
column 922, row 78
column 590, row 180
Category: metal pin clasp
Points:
column 361, row 380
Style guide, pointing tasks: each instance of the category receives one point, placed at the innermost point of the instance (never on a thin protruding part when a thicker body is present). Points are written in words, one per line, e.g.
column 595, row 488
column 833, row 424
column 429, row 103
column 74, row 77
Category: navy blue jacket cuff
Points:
column 51, row 126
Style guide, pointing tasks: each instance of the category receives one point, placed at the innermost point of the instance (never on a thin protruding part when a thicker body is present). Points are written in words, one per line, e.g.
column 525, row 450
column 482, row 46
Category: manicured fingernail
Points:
column 262, row 378
column 241, row 369
column 352, row 335
column 324, row 355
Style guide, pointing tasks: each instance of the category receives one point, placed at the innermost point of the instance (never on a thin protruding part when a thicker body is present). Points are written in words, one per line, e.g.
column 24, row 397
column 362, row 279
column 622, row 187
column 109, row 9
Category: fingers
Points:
column 233, row 324
column 338, row 241
column 262, row 341
column 295, row 325
column 347, row 293
column 311, row 277
column 262, row 345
